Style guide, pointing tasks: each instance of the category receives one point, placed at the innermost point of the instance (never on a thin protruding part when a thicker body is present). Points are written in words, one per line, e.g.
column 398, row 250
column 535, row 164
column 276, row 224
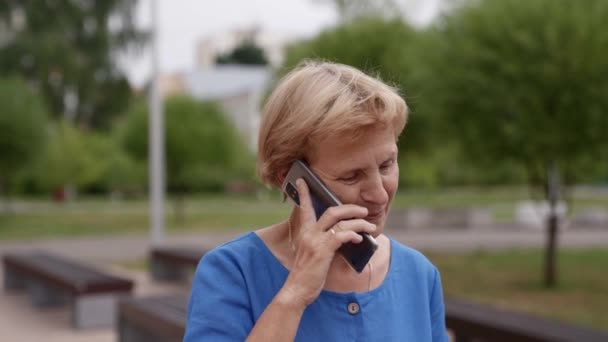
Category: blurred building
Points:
column 238, row 88
column 273, row 44
column 172, row 84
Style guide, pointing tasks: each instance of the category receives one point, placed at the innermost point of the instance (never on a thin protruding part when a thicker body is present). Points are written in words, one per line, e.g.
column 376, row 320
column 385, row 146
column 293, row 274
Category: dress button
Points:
column 353, row 308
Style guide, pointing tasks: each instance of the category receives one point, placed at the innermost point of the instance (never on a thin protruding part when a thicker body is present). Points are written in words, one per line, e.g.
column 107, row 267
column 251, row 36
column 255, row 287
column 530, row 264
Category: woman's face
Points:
column 364, row 172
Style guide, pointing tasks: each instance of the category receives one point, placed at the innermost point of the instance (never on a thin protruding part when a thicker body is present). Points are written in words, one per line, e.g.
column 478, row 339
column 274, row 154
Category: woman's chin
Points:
column 379, row 222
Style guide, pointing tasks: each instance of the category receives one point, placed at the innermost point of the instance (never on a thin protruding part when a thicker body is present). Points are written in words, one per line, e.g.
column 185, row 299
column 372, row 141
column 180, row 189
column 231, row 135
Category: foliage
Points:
column 84, row 161
column 246, row 53
column 23, row 121
column 524, row 82
column 68, row 50
column 117, row 170
column 379, row 49
column 202, row 149
column 68, row 159
column 122, row 173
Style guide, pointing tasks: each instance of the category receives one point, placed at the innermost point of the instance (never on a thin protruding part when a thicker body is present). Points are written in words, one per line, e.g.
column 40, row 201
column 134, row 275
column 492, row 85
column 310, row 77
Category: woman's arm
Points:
column 438, row 310
column 317, row 244
column 280, row 319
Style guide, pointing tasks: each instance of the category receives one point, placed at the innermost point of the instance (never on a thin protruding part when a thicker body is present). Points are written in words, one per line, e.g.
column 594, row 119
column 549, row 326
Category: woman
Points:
column 286, row 282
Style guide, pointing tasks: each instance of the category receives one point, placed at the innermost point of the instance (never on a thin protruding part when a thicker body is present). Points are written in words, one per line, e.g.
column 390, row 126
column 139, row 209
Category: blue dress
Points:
column 235, row 282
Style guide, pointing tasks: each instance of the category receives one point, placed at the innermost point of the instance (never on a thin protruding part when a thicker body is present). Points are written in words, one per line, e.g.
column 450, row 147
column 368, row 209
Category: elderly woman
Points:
column 287, row 282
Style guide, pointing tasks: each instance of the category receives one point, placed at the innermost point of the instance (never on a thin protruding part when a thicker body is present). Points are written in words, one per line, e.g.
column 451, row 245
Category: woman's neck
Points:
column 341, row 276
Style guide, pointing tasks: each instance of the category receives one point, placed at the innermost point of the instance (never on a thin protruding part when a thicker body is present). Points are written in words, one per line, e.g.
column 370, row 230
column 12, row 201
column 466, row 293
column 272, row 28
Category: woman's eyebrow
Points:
column 337, row 173
column 392, row 155
column 349, row 171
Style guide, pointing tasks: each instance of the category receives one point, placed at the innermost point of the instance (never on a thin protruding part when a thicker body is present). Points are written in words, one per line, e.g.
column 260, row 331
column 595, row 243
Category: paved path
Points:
column 136, row 247
column 19, row 321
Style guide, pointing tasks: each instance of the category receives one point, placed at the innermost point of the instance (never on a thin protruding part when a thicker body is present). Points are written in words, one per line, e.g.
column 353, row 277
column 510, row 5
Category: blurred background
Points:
column 503, row 162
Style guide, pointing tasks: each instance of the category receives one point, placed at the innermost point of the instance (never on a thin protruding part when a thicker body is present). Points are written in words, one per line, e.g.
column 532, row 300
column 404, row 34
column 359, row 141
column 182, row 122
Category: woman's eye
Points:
column 387, row 164
column 349, row 179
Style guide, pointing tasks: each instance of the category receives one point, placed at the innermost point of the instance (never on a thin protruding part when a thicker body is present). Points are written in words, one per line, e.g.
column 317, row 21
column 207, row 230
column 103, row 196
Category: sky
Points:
column 182, row 23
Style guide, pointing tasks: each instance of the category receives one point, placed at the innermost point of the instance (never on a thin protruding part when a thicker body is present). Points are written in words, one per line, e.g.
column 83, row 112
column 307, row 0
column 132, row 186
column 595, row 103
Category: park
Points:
column 503, row 163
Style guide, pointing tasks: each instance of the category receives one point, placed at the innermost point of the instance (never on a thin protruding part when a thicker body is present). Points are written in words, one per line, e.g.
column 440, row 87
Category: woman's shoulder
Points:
column 239, row 248
column 233, row 259
column 245, row 259
column 407, row 257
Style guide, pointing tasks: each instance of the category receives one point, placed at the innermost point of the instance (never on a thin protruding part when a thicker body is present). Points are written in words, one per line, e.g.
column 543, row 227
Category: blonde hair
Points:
column 317, row 100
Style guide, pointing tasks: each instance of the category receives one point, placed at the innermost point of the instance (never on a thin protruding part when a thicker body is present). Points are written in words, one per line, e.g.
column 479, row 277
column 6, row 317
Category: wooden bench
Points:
column 174, row 263
column 476, row 322
column 52, row 280
column 152, row 319
column 164, row 319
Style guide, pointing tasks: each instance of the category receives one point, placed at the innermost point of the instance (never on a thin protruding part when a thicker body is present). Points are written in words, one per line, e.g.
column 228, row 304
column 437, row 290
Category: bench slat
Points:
column 158, row 316
column 174, row 263
column 493, row 324
column 182, row 255
column 69, row 275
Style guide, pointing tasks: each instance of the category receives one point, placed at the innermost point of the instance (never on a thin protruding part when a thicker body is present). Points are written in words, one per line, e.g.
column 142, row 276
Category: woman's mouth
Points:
column 374, row 216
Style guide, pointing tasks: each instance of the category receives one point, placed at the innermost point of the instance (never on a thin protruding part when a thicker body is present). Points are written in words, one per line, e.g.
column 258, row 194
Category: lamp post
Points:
column 156, row 141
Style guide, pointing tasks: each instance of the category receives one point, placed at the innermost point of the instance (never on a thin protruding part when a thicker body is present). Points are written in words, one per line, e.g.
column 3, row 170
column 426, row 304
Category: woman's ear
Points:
column 281, row 176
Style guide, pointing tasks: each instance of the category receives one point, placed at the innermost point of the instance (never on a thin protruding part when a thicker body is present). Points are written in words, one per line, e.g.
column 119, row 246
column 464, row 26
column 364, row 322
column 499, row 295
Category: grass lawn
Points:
column 512, row 279
column 39, row 219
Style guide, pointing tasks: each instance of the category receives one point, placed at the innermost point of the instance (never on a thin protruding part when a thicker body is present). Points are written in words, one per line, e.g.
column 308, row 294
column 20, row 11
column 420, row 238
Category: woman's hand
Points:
column 318, row 242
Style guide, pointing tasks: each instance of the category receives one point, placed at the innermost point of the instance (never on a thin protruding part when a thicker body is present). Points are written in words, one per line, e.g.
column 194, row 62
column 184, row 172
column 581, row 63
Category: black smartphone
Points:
column 357, row 255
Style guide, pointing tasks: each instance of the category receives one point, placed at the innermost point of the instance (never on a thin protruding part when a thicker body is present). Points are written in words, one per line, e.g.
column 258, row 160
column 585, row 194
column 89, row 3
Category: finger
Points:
column 340, row 238
column 357, row 226
column 336, row 214
column 306, row 209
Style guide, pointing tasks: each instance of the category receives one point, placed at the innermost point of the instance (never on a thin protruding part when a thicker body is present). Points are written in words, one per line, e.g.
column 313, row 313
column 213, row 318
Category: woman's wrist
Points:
column 281, row 319
column 290, row 300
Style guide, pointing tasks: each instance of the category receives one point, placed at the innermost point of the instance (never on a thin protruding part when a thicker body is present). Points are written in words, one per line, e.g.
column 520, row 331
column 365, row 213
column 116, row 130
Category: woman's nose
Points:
column 374, row 191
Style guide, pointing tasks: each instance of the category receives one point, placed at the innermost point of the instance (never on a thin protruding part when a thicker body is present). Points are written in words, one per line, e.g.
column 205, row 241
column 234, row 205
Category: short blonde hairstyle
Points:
column 317, row 100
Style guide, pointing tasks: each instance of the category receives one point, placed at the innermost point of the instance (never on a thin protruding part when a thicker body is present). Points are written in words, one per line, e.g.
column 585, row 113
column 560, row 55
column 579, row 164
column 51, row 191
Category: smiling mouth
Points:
column 375, row 216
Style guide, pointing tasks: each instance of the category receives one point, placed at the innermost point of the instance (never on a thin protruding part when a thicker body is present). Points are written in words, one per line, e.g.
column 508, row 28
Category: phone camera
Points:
column 293, row 193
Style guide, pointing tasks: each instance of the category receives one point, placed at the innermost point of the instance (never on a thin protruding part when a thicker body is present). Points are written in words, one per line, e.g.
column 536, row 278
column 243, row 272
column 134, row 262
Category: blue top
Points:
column 235, row 282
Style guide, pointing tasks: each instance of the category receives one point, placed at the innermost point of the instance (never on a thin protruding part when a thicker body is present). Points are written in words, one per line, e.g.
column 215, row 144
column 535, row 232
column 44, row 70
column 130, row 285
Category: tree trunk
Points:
column 550, row 264
column 550, row 251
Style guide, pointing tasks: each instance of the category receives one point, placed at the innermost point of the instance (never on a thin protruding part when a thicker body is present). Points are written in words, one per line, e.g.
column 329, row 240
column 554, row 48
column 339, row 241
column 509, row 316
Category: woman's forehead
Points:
column 336, row 152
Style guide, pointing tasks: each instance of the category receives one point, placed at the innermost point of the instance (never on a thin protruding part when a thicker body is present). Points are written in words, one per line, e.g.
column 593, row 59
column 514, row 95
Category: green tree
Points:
column 524, row 82
column 75, row 161
column 390, row 49
column 71, row 160
column 117, row 171
column 122, row 174
column 246, row 53
column 23, row 120
column 68, row 50
column 203, row 151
